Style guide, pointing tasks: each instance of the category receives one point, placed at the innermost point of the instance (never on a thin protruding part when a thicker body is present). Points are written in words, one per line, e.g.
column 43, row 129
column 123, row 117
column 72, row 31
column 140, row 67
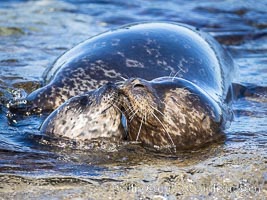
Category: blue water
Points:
column 34, row 33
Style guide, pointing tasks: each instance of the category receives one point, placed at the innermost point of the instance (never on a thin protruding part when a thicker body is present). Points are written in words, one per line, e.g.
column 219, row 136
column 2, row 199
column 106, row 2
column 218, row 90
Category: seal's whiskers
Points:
column 157, row 110
column 119, row 82
column 131, row 111
column 170, row 74
column 126, row 107
column 117, row 107
column 132, row 116
column 137, row 137
column 124, row 79
column 103, row 111
column 164, row 129
column 176, row 74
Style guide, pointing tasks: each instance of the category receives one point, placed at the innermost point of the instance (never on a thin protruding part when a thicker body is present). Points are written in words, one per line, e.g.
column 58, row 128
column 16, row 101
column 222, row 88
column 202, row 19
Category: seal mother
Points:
column 143, row 50
column 172, row 67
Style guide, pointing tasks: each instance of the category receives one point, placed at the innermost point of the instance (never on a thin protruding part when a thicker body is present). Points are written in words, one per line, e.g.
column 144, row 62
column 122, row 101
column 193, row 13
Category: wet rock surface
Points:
column 229, row 175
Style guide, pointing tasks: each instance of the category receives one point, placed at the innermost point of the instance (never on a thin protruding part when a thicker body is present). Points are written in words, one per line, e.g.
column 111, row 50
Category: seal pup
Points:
column 88, row 116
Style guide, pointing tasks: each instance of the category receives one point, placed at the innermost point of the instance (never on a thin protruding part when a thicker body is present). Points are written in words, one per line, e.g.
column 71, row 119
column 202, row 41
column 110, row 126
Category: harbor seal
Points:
column 87, row 116
column 171, row 113
column 143, row 50
column 184, row 79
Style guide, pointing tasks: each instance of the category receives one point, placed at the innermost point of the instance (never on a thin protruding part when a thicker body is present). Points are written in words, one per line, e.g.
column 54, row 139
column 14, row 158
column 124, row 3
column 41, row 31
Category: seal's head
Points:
column 169, row 112
column 87, row 116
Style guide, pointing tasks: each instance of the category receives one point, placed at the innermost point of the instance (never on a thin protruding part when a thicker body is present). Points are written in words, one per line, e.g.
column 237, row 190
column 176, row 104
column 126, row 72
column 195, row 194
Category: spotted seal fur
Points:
column 87, row 116
column 144, row 50
column 171, row 113
column 174, row 64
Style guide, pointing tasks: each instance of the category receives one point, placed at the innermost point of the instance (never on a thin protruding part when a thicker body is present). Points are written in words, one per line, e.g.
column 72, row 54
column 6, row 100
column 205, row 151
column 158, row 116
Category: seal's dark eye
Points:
column 138, row 85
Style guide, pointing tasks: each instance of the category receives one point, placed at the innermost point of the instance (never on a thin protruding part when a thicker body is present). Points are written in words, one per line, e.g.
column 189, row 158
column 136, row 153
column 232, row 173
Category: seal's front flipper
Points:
column 16, row 98
column 251, row 91
column 18, row 104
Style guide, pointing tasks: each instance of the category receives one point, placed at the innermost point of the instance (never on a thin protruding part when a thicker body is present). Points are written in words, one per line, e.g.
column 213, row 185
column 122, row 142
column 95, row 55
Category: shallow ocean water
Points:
column 34, row 33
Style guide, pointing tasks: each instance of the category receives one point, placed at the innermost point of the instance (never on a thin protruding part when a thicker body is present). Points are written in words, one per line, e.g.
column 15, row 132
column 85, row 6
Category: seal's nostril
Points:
column 138, row 85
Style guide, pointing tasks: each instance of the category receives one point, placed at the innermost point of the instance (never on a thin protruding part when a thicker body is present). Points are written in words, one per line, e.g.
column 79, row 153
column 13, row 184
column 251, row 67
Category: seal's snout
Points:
column 137, row 83
column 107, row 94
column 134, row 83
column 139, row 88
column 136, row 88
column 139, row 99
